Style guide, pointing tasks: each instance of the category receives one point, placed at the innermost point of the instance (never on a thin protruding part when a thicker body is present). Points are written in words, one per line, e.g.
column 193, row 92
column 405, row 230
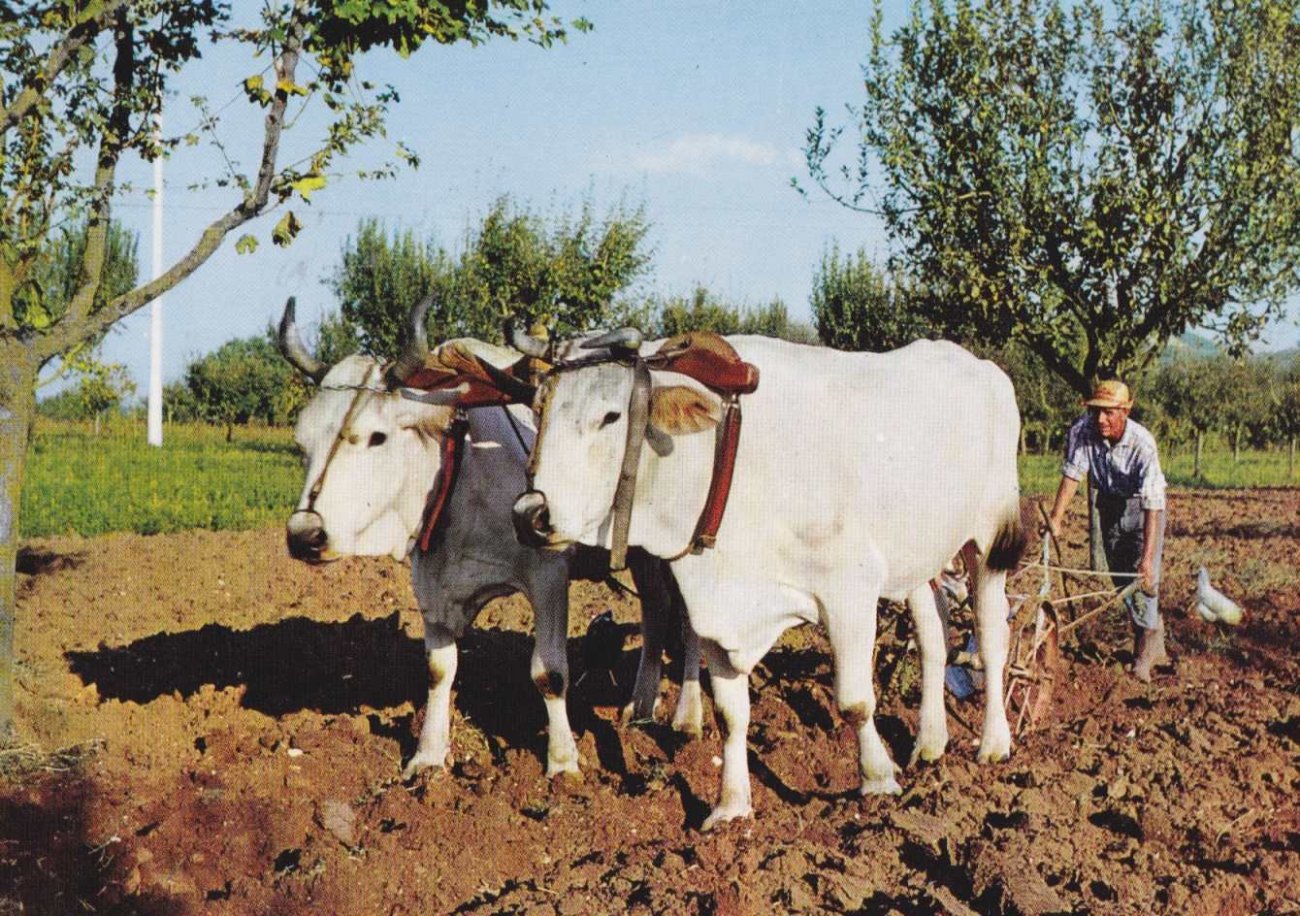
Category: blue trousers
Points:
column 1123, row 539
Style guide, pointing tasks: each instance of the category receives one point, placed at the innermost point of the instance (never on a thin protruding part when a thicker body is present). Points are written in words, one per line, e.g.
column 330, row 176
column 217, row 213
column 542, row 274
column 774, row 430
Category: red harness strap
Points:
column 724, row 464
column 453, row 445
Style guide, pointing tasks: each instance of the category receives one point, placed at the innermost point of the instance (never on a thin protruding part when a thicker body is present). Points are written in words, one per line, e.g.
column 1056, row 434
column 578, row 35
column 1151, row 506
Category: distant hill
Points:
column 1189, row 343
column 1192, row 344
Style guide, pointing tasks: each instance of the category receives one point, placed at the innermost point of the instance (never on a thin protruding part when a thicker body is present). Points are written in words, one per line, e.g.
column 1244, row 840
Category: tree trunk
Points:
column 1236, row 446
column 1196, row 463
column 1024, row 440
column 1290, row 457
column 18, row 368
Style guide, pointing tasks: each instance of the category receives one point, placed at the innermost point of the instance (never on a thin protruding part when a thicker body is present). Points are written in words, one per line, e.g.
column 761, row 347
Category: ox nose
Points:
column 305, row 535
column 532, row 519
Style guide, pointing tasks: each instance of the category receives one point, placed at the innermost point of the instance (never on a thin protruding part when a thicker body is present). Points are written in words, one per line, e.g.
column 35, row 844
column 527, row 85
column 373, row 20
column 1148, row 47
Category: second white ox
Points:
column 852, row 483
column 371, row 459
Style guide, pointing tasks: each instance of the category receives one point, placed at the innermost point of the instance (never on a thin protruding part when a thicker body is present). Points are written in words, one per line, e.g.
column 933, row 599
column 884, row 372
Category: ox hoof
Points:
column 724, row 813
column 421, row 762
column 690, row 726
column 688, row 717
column 639, row 713
column 568, row 767
column 927, row 753
column 887, row 785
column 993, row 755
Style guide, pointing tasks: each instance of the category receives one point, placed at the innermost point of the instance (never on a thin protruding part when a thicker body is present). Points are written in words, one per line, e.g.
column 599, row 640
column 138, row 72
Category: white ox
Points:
column 371, row 459
column 851, row 483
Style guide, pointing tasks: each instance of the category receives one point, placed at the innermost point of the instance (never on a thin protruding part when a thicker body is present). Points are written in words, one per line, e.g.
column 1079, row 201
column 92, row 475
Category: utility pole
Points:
column 155, row 317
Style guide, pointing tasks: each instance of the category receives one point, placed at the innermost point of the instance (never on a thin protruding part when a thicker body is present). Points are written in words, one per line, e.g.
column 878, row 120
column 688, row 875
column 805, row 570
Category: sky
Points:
column 695, row 111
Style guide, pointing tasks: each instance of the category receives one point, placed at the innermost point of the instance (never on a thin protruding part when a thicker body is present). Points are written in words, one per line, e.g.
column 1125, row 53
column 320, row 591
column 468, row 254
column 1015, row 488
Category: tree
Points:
column 1089, row 178
column 856, row 306
column 101, row 388
column 516, row 266
column 242, row 381
column 1286, row 413
column 703, row 311
column 1191, row 391
column 83, row 84
column 378, row 280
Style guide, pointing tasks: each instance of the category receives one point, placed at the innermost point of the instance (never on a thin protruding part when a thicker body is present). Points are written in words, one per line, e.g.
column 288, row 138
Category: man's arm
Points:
column 1064, row 493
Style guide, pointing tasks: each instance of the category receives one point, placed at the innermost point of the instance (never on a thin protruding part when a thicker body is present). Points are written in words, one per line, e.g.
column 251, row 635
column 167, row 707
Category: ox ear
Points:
column 679, row 410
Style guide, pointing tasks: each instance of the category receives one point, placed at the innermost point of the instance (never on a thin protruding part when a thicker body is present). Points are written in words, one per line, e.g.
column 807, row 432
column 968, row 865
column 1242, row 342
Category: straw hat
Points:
column 1110, row 393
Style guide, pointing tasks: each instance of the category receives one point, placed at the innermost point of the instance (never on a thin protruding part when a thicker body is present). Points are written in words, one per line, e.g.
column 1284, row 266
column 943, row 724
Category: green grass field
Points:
column 85, row 484
column 81, row 483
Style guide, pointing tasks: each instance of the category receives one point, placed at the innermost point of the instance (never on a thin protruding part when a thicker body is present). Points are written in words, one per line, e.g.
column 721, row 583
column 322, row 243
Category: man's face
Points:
column 1110, row 421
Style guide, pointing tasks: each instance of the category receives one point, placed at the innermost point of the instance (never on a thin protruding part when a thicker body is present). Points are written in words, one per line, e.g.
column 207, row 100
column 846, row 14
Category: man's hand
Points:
column 1146, row 578
column 1051, row 525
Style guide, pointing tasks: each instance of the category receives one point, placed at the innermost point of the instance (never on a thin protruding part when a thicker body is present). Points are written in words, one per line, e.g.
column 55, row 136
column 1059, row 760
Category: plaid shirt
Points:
column 1128, row 468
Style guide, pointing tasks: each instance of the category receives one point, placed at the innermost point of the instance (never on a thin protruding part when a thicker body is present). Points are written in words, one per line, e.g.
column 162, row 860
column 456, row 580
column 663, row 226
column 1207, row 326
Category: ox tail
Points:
column 1008, row 545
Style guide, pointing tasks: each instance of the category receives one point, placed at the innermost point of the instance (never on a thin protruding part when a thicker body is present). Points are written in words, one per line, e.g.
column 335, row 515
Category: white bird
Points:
column 1213, row 605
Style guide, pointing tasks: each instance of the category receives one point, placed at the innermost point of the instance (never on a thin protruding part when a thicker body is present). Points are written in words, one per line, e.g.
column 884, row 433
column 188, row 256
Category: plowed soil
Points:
column 233, row 726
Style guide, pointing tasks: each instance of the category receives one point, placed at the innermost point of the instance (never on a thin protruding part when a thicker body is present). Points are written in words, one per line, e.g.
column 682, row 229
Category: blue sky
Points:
column 694, row 110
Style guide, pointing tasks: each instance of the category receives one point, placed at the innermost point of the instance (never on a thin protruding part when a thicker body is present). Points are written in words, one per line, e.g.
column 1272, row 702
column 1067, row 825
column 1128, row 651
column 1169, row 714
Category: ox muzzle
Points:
column 305, row 536
column 532, row 520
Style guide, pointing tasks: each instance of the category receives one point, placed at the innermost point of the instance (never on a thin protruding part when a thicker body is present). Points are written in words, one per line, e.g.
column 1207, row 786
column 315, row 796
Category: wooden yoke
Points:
column 454, row 364
column 710, row 360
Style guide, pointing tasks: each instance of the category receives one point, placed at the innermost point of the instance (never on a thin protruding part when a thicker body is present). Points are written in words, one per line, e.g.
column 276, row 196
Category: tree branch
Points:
column 68, row 333
column 58, row 58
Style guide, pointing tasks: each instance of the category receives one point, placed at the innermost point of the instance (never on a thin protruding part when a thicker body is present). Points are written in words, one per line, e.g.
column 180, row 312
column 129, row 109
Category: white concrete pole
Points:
column 155, row 317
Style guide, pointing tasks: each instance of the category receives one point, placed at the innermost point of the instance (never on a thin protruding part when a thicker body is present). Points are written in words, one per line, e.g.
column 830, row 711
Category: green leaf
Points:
column 286, row 230
column 308, row 184
column 246, row 244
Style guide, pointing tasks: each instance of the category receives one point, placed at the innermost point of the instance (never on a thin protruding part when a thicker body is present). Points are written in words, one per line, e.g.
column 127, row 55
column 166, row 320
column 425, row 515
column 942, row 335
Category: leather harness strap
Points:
column 638, row 418
column 724, row 465
column 453, row 447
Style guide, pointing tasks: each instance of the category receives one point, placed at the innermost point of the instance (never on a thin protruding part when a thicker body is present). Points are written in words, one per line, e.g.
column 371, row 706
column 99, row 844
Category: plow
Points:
column 1044, row 611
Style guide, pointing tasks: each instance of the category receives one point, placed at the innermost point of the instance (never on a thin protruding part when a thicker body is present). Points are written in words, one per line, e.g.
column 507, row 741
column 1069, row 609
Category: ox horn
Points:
column 624, row 340
column 417, row 344
column 294, row 350
column 527, row 344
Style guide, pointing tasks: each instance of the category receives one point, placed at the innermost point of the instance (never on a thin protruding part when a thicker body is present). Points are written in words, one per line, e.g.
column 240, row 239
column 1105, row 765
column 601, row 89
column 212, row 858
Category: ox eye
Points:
column 611, row 417
column 377, row 439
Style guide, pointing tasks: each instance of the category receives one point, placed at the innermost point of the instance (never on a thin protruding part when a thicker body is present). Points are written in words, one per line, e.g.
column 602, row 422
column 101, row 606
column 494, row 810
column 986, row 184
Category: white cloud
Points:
column 698, row 154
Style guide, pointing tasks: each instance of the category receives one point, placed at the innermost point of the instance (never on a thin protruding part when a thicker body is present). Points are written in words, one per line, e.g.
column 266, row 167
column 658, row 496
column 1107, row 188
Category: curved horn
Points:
column 624, row 339
column 527, row 344
column 417, row 344
column 293, row 349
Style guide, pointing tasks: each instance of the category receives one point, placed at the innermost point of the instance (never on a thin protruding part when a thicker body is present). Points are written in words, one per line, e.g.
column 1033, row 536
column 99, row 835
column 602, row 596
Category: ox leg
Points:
column 688, row 718
column 852, row 631
column 731, row 701
column 991, row 610
column 932, row 733
column 550, row 672
column 650, row 577
column 435, row 734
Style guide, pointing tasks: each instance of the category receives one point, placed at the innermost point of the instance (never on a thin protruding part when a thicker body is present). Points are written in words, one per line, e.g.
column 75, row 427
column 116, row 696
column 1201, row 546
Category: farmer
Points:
column 1123, row 466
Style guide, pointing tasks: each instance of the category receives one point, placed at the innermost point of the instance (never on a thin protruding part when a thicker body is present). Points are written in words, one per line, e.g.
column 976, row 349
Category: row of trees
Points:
column 1185, row 397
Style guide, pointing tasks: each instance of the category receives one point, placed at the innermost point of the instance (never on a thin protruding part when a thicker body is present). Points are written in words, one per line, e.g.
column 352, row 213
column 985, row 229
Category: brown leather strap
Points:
column 453, row 445
column 724, row 465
